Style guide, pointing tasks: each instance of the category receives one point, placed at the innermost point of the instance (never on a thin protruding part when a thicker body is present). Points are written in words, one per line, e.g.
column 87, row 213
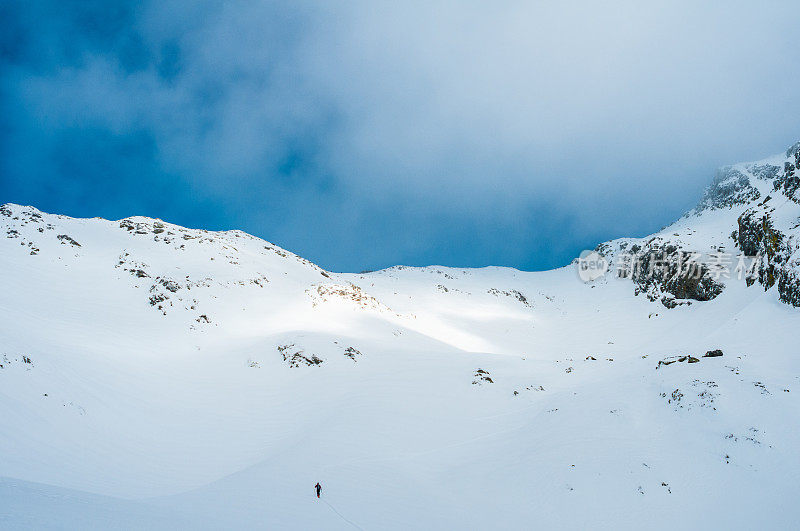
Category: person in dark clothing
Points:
column 319, row 488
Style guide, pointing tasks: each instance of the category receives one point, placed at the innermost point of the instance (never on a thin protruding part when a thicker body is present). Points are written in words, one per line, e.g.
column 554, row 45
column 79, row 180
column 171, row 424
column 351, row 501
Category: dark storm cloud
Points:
column 368, row 133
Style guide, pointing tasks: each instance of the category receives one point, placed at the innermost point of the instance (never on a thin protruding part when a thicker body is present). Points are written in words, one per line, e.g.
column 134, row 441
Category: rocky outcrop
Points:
column 295, row 356
column 730, row 187
column 778, row 253
column 65, row 239
column 481, row 376
column 662, row 271
column 789, row 285
column 788, row 182
column 766, row 231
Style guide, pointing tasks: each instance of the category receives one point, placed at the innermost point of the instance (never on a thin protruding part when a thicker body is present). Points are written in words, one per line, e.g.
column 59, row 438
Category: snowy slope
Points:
column 158, row 377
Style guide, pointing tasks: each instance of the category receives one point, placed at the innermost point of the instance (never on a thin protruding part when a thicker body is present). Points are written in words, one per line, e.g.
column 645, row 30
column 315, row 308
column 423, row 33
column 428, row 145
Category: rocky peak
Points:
column 794, row 150
column 737, row 184
column 760, row 201
column 731, row 186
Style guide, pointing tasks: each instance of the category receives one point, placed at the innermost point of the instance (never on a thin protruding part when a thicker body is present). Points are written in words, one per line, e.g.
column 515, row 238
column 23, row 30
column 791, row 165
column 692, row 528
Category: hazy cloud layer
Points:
column 368, row 134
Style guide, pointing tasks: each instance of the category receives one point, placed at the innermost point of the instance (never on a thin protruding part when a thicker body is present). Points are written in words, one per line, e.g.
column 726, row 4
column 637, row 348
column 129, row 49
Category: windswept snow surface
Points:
column 153, row 376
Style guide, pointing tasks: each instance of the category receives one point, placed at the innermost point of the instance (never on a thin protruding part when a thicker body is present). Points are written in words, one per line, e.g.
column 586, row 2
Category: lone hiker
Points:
column 319, row 488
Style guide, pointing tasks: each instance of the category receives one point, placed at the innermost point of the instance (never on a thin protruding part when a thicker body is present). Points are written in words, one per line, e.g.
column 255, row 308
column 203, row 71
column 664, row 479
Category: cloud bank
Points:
column 366, row 134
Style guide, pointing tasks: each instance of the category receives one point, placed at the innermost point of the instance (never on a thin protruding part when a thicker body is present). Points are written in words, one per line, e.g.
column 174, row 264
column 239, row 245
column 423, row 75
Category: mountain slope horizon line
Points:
column 728, row 188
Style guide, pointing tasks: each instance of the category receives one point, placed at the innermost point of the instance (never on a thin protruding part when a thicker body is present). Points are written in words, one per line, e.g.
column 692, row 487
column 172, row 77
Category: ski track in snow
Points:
column 341, row 516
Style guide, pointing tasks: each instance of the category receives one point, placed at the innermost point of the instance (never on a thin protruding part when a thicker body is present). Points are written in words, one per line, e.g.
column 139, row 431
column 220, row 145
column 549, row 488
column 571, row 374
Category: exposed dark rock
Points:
column 789, row 182
column 66, row 239
column 170, row 285
column 677, row 359
column 730, row 187
column 352, row 352
column 758, row 237
column 713, row 354
column 789, row 285
column 296, row 357
column 513, row 293
column 662, row 271
column 158, row 298
column 676, row 396
column 481, row 376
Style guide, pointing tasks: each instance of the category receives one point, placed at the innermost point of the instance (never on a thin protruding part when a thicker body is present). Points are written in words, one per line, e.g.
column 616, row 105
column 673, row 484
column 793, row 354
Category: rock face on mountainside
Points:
column 729, row 188
column 676, row 278
column 769, row 230
column 758, row 203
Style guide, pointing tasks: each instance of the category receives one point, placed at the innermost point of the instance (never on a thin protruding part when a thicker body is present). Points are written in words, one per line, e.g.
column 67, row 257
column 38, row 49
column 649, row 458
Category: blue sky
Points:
column 366, row 134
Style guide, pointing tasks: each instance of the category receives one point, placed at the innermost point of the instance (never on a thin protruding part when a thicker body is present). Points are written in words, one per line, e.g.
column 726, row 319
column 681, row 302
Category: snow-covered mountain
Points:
column 154, row 376
column 748, row 219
